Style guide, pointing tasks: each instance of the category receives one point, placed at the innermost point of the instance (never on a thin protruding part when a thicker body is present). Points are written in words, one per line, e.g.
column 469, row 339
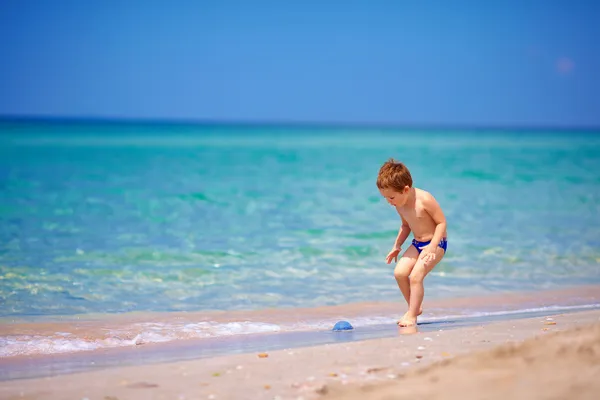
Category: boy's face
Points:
column 395, row 198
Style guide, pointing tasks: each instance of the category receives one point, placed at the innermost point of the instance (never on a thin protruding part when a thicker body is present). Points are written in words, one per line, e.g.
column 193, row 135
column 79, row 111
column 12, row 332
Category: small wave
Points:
column 153, row 332
column 136, row 334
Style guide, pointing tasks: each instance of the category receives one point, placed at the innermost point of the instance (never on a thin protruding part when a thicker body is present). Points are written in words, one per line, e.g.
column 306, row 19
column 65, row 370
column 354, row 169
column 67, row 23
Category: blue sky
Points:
column 419, row 62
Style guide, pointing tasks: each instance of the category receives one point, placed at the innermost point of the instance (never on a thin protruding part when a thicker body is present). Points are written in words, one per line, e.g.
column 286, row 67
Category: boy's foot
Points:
column 405, row 315
column 408, row 321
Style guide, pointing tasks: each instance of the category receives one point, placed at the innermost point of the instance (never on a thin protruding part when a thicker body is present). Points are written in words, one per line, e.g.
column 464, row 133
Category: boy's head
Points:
column 394, row 182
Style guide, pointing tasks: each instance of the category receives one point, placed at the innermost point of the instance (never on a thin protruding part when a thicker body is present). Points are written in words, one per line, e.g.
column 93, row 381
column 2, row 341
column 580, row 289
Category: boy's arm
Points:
column 402, row 234
column 433, row 208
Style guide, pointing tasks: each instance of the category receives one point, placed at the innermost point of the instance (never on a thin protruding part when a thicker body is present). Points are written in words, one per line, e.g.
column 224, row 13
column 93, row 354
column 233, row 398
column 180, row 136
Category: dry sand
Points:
column 536, row 363
column 563, row 365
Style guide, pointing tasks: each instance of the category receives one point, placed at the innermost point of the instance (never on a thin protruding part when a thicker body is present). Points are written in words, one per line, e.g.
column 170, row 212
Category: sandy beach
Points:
column 541, row 357
column 244, row 200
column 558, row 365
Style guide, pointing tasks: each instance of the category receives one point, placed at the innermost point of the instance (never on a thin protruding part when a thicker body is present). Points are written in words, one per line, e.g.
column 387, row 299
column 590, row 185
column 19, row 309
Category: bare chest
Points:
column 415, row 216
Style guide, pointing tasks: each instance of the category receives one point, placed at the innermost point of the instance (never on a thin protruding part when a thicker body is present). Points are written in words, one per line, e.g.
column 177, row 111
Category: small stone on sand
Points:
column 267, row 387
column 376, row 369
column 550, row 323
column 322, row 390
column 263, row 355
column 142, row 385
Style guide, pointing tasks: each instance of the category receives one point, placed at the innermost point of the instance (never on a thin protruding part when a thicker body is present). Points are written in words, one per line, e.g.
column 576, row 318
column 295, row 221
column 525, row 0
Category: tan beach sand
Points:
column 564, row 365
column 552, row 366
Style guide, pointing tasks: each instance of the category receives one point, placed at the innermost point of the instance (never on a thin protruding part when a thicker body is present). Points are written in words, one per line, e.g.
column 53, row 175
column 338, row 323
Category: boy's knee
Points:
column 401, row 274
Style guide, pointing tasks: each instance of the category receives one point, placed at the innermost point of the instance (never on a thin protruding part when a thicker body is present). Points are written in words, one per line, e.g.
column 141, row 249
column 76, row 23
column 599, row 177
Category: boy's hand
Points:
column 393, row 255
column 428, row 254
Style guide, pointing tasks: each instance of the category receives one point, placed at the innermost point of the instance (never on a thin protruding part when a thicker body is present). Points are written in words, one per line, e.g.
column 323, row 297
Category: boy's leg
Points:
column 403, row 270
column 417, row 292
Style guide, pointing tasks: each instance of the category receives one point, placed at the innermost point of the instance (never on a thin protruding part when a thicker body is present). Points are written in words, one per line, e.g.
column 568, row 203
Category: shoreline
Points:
column 41, row 366
column 100, row 334
column 340, row 369
column 441, row 315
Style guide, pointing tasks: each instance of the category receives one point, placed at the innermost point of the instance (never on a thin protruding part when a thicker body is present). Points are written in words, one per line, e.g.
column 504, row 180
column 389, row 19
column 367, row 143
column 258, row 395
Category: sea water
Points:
column 124, row 217
column 120, row 217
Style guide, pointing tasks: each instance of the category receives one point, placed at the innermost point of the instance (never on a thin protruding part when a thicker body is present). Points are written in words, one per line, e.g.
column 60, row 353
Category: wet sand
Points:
column 533, row 361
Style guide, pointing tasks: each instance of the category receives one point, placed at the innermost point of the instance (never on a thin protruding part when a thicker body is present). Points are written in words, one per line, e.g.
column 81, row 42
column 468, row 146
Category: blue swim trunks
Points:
column 421, row 245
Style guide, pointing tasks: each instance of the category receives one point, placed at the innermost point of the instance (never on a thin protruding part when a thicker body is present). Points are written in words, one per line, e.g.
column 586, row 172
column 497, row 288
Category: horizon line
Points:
column 284, row 124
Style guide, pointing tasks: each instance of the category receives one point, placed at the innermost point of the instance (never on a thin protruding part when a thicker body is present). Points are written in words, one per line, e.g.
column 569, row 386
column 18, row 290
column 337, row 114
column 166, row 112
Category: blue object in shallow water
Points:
column 342, row 326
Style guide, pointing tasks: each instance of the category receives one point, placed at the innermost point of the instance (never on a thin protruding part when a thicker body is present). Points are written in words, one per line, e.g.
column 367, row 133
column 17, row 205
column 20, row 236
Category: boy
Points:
column 421, row 214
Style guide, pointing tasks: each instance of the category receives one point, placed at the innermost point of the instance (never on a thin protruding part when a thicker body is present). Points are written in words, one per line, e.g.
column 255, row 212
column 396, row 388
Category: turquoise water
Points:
column 126, row 217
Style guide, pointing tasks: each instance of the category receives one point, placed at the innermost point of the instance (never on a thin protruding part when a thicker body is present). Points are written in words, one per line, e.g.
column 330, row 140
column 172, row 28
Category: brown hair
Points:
column 394, row 175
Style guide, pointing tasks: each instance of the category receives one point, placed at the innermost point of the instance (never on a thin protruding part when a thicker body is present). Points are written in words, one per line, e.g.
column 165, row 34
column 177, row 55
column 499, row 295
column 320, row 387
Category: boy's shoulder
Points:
column 424, row 196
